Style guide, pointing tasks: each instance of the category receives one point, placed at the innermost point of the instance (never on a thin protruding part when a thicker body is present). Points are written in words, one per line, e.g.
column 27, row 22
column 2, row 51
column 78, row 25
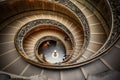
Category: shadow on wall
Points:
column 35, row 77
column 5, row 77
column 109, row 75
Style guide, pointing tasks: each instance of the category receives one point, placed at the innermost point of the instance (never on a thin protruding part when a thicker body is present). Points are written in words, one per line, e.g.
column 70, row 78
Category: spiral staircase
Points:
column 59, row 40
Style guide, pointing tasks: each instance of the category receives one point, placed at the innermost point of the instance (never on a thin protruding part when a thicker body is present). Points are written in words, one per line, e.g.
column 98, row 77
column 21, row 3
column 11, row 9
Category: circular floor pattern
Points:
column 53, row 51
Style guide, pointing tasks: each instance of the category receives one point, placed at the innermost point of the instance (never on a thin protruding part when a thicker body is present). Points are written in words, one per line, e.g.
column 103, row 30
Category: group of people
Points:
column 66, row 38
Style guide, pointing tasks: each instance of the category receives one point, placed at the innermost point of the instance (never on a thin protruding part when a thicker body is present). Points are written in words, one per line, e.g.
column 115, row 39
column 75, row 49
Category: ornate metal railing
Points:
column 114, row 34
column 31, row 25
column 115, row 30
column 81, row 17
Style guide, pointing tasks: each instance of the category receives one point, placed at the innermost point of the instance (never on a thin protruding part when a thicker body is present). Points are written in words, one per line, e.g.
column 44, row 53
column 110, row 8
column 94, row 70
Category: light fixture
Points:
column 55, row 54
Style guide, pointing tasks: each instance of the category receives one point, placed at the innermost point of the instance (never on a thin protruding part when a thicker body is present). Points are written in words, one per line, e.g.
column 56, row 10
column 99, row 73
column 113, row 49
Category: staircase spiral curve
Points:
column 59, row 39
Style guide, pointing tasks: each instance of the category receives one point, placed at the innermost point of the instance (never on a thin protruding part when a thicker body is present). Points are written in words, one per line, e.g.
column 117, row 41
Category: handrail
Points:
column 114, row 36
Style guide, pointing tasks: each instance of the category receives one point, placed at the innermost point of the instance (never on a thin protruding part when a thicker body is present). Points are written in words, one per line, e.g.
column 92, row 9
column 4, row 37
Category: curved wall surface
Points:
column 83, row 34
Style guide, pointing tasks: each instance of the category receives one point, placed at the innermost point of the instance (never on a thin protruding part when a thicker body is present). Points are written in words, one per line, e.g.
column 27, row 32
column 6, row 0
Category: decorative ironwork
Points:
column 33, row 24
column 81, row 17
column 115, row 32
column 39, row 22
